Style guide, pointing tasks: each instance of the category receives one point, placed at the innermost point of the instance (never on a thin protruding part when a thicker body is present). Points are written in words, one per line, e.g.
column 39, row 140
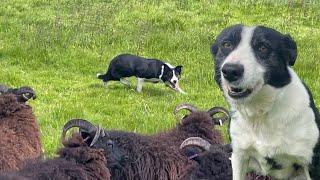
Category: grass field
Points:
column 57, row 47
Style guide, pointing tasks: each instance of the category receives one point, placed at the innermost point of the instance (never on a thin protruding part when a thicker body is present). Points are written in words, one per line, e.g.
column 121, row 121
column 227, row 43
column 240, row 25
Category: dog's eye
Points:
column 227, row 45
column 263, row 49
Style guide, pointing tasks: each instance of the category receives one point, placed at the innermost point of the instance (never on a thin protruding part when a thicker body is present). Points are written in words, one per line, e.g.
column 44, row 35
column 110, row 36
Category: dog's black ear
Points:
column 214, row 48
column 291, row 49
column 178, row 69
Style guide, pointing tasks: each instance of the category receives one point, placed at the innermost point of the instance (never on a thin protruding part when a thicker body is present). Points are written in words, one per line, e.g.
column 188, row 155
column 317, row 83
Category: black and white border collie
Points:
column 275, row 124
column 146, row 70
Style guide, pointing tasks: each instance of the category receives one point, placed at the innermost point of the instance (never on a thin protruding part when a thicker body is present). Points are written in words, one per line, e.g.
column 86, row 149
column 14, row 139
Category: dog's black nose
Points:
column 232, row 72
column 174, row 81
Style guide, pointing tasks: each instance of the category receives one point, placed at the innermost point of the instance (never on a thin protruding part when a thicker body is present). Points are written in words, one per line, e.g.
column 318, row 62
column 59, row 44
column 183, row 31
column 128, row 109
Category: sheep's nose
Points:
column 232, row 72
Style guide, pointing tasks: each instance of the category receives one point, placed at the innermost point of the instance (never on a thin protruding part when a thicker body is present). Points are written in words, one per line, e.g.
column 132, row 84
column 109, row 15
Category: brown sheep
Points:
column 19, row 132
column 76, row 161
column 144, row 157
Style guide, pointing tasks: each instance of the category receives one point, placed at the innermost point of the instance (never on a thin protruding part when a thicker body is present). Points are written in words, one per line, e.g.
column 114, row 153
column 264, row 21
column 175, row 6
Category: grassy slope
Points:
column 57, row 47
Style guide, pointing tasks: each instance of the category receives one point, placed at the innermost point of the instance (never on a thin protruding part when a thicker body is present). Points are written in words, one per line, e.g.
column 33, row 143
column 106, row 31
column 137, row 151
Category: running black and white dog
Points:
column 275, row 124
column 149, row 70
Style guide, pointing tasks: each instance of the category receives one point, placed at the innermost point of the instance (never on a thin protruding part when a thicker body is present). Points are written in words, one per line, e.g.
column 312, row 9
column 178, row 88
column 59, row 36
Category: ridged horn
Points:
column 80, row 123
column 26, row 96
column 186, row 106
column 219, row 120
column 99, row 133
column 196, row 141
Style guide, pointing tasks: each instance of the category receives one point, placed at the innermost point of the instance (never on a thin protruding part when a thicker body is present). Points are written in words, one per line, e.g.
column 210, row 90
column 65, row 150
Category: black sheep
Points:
column 145, row 157
column 76, row 161
column 213, row 161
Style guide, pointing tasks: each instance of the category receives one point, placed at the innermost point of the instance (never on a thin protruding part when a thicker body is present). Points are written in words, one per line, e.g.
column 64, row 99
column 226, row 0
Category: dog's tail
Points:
column 101, row 76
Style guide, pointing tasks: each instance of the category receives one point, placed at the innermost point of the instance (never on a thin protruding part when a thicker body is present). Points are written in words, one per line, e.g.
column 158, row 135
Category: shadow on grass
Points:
column 148, row 91
column 153, row 92
column 110, row 85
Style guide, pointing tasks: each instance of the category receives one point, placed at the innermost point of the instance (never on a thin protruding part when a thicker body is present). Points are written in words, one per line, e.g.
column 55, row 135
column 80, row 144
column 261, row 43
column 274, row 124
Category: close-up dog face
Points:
column 248, row 59
column 171, row 75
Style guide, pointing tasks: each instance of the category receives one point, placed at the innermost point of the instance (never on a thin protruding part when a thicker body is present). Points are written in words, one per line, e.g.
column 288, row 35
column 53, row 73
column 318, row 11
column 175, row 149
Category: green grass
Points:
column 57, row 47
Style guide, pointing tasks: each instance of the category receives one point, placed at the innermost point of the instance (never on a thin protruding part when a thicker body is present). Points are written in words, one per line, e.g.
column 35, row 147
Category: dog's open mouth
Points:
column 237, row 93
column 172, row 85
column 175, row 87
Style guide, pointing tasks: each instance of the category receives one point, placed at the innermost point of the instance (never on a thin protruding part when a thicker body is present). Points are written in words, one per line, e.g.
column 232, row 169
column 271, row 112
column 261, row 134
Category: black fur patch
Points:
column 230, row 35
column 280, row 52
column 296, row 166
column 314, row 168
column 274, row 165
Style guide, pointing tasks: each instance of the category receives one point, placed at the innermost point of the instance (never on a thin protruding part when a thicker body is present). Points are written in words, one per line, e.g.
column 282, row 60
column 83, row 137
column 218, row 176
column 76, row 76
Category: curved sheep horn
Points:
column 99, row 133
column 187, row 106
column 196, row 141
column 80, row 123
column 219, row 120
column 26, row 96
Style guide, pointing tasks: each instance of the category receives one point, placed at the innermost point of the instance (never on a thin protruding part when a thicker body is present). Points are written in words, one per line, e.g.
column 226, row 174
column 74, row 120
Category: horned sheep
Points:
column 213, row 161
column 134, row 156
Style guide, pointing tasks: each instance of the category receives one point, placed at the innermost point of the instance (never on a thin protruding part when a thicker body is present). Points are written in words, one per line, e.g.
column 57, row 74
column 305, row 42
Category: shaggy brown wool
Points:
column 76, row 161
column 159, row 156
column 147, row 158
column 197, row 124
column 19, row 134
column 211, row 165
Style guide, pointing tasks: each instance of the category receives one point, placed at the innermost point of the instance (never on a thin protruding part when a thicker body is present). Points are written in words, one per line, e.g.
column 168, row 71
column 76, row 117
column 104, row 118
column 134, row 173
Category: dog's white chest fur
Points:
column 276, row 129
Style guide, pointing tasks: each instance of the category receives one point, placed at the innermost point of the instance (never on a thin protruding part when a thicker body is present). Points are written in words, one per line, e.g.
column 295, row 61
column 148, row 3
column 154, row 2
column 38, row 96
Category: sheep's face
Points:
column 23, row 94
column 115, row 157
column 212, row 159
column 98, row 138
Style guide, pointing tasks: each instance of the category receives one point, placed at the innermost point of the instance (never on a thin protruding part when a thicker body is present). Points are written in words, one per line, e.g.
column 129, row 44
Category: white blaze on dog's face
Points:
column 171, row 76
column 248, row 59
